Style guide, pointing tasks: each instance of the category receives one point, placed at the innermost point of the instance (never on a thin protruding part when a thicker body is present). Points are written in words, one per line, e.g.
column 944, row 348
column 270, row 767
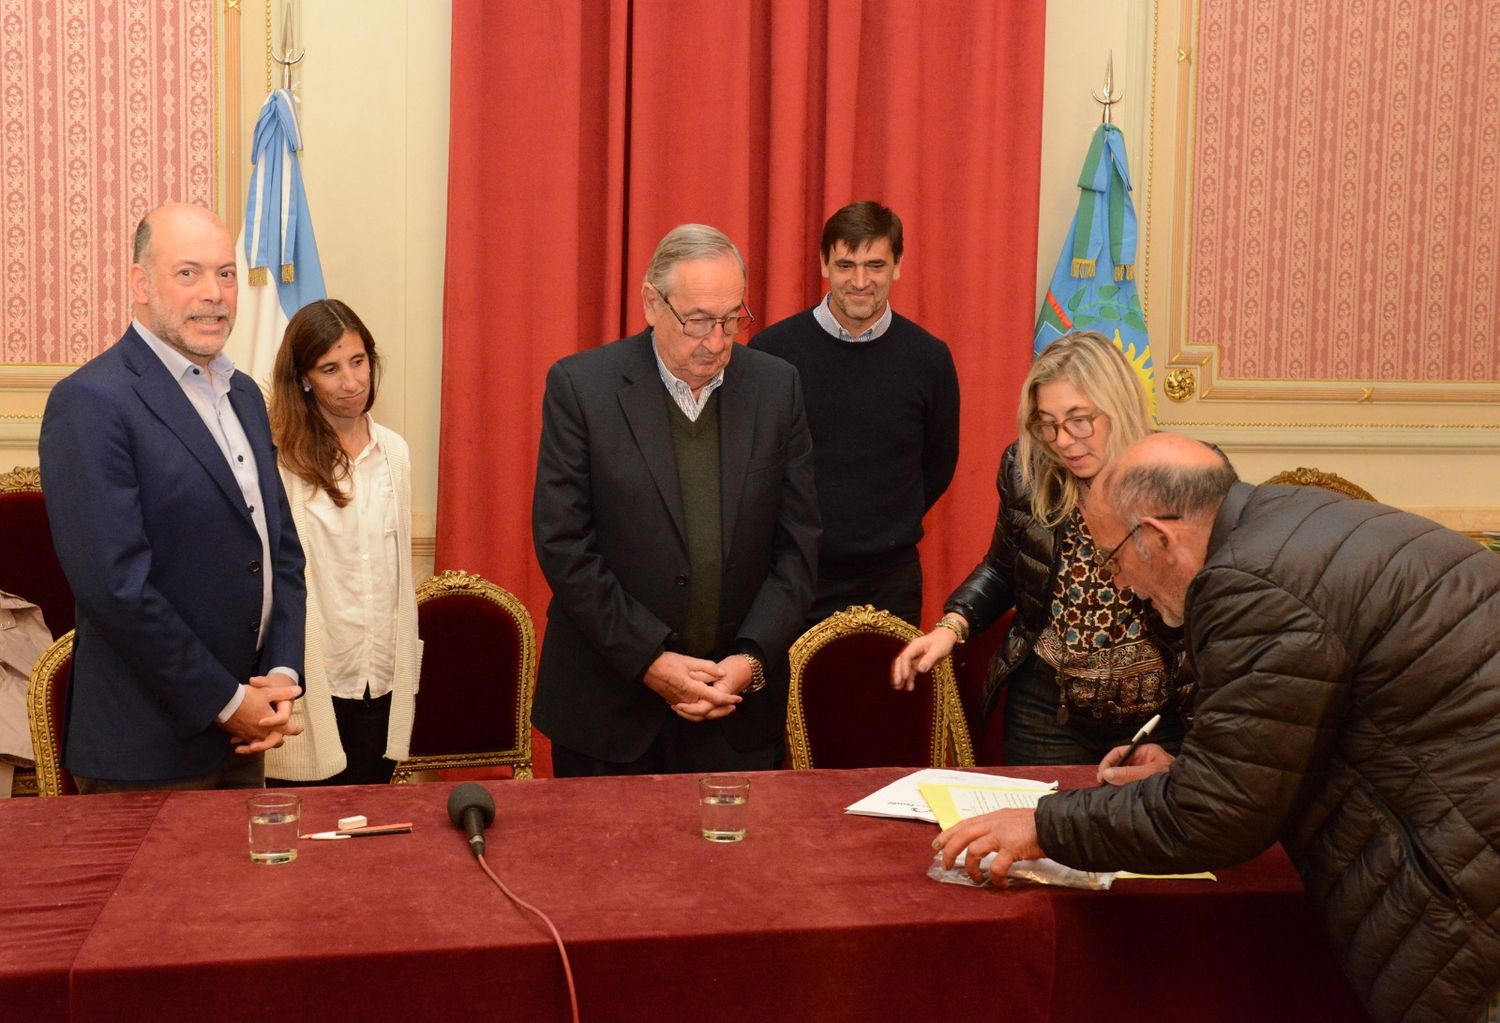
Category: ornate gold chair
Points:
column 28, row 561
column 478, row 673
column 842, row 712
column 1304, row 477
column 29, row 567
column 46, row 697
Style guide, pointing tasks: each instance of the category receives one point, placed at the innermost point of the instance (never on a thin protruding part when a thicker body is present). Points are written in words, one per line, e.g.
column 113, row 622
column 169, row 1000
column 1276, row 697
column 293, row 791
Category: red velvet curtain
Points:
column 583, row 130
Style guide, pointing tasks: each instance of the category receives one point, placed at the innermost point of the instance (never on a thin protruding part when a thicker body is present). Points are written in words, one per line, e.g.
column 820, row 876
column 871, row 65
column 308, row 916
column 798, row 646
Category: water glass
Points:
column 273, row 826
column 724, row 807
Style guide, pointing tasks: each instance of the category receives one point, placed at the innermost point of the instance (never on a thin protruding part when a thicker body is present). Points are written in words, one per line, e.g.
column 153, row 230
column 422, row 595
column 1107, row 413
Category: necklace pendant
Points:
column 1062, row 715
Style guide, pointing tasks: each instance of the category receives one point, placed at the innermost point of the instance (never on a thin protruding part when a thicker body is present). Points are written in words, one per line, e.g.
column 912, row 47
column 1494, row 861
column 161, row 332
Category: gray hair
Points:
column 1164, row 489
column 685, row 243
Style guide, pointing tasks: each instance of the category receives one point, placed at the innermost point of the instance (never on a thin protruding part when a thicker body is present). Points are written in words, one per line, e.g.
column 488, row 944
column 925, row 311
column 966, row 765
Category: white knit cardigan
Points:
column 316, row 753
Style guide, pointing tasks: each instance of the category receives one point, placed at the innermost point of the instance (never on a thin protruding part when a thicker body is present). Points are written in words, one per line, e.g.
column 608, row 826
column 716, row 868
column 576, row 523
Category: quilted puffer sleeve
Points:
column 1274, row 685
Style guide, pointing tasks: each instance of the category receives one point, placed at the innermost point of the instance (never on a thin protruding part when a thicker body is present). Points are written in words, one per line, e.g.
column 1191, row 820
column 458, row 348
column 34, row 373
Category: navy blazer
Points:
column 608, row 524
column 165, row 563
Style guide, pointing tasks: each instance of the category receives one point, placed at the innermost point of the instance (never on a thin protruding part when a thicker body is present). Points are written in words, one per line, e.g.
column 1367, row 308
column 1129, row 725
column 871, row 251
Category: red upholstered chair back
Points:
column 28, row 561
column 971, row 668
column 478, row 673
column 47, row 699
column 842, row 712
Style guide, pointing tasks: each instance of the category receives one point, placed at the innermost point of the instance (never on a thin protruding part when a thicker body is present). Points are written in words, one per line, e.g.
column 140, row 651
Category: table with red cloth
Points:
column 148, row 907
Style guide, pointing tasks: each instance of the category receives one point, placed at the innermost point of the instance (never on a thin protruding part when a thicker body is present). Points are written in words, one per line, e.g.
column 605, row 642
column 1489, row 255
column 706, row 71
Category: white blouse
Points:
column 353, row 561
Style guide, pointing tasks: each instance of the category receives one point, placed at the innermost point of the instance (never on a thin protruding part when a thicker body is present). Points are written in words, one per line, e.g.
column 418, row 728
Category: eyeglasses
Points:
column 1078, row 427
column 701, row 326
column 1109, row 564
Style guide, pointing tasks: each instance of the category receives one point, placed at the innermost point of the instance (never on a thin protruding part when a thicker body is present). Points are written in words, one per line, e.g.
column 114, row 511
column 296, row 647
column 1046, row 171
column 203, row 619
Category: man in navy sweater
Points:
column 882, row 403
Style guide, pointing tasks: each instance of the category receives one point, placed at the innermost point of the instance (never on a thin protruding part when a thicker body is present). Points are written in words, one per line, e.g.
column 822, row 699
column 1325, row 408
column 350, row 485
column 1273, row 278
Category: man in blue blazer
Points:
column 677, row 523
column 173, row 530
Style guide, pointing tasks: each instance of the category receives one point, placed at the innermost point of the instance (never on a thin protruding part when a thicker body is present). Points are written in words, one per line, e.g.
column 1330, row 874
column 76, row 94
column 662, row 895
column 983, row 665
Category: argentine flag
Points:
column 277, row 256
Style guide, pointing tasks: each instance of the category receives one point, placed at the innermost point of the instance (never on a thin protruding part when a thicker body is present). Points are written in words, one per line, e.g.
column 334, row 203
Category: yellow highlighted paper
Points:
column 953, row 803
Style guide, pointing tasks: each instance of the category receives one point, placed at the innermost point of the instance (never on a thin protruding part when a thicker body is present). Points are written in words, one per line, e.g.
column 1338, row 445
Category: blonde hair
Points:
column 1099, row 370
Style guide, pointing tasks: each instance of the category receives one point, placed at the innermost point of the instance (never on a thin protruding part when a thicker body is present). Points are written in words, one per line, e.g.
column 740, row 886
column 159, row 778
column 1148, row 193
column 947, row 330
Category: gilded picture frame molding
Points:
column 1212, row 398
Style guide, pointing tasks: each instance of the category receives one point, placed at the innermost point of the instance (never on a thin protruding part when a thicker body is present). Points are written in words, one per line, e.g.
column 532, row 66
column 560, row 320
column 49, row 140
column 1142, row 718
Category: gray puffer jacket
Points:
column 1348, row 656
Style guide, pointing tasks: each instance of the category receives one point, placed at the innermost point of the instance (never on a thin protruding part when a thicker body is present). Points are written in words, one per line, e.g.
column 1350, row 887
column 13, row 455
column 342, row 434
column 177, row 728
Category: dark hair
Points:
column 307, row 445
column 861, row 223
column 142, row 240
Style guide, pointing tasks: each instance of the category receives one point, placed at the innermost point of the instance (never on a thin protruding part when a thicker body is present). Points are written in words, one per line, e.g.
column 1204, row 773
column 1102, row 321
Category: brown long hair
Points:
column 307, row 444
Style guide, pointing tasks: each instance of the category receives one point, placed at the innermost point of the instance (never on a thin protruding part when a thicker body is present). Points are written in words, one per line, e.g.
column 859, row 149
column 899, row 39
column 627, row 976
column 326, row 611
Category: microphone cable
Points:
column 556, row 938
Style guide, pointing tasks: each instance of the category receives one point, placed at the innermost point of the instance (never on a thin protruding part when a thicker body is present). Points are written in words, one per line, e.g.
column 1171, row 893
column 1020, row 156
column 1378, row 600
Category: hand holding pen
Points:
column 1152, row 760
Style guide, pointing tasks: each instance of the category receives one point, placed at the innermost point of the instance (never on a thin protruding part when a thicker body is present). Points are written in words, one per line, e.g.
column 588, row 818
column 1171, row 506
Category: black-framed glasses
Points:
column 1109, row 563
column 701, row 326
column 1077, row 427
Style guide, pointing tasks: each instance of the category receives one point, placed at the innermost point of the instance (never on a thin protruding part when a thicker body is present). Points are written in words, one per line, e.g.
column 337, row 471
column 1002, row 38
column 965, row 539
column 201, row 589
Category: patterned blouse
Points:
column 1108, row 666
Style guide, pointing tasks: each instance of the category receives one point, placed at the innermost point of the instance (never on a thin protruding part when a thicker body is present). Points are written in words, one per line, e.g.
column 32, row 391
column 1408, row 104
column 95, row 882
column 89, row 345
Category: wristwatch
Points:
column 757, row 674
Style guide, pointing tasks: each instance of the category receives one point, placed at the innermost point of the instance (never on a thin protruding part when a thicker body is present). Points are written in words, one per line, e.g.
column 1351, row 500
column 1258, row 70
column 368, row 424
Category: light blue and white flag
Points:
column 278, row 255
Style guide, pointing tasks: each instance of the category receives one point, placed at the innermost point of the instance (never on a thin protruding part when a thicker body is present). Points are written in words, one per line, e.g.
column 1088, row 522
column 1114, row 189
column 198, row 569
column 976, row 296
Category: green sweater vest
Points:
column 696, row 445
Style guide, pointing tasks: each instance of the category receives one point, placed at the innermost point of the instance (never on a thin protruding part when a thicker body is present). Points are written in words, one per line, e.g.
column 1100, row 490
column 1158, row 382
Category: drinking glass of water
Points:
column 724, row 806
column 273, row 826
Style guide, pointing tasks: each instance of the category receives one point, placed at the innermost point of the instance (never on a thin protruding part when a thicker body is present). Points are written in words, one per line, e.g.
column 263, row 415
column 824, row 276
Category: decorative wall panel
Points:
column 106, row 110
column 1346, row 190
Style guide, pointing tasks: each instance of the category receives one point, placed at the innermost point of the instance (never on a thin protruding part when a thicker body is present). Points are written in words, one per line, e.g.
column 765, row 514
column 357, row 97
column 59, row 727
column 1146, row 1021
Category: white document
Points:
column 972, row 800
column 903, row 797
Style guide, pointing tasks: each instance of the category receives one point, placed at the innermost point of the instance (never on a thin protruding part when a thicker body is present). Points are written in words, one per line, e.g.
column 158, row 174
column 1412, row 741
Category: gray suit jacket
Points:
column 608, row 524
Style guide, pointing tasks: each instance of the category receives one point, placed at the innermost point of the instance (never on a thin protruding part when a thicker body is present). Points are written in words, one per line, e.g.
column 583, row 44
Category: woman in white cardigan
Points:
column 348, row 481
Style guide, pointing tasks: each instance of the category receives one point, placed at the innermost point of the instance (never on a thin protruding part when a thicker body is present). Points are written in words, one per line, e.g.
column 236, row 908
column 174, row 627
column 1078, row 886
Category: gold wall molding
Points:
column 33, row 376
column 1335, row 437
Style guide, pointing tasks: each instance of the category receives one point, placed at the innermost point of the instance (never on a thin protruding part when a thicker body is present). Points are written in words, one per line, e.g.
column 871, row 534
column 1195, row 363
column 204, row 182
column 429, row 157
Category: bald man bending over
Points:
column 174, row 533
column 1348, row 659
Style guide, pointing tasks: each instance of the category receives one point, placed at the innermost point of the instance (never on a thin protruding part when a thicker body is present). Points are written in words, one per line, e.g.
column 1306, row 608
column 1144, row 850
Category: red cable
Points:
column 557, row 938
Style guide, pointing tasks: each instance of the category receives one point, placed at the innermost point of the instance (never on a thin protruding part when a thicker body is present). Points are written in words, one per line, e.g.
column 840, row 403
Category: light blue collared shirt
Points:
column 826, row 320
column 681, row 391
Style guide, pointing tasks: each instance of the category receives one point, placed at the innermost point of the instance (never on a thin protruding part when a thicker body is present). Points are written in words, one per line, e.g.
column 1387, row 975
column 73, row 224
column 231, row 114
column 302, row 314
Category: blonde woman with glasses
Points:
column 1085, row 663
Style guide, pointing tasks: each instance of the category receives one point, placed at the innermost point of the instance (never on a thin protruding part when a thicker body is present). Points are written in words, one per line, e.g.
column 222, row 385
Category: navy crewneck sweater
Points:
column 884, row 421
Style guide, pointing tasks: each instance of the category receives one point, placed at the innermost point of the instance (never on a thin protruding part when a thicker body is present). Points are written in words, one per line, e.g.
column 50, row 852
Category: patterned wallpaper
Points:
column 106, row 110
column 1346, row 189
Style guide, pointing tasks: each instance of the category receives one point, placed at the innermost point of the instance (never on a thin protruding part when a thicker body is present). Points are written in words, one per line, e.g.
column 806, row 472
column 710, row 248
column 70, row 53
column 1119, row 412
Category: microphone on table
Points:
column 471, row 809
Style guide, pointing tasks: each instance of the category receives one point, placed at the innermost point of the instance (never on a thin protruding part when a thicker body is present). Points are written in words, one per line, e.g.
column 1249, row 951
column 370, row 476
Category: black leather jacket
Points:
column 1018, row 572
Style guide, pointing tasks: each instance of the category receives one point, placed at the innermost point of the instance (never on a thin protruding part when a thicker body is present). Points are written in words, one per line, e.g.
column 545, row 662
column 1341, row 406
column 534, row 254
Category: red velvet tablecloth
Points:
column 817, row 915
column 60, row 860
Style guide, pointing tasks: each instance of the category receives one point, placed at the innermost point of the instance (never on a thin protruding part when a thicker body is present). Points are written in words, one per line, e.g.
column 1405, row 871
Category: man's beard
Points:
column 173, row 334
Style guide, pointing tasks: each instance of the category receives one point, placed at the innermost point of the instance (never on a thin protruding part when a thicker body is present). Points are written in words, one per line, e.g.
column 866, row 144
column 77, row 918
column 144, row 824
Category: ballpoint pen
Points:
column 374, row 829
column 1146, row 729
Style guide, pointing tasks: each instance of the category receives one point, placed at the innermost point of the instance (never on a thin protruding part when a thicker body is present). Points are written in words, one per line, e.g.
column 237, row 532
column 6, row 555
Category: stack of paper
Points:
column 908, row 798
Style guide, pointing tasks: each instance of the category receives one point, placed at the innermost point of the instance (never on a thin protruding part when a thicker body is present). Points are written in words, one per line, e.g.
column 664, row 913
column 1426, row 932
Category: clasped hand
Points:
column 263, row 719
column 698, row 690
